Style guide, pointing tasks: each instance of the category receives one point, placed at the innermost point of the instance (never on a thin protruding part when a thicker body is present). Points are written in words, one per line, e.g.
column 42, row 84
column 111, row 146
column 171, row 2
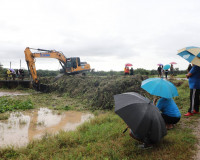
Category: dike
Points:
column 96, row 91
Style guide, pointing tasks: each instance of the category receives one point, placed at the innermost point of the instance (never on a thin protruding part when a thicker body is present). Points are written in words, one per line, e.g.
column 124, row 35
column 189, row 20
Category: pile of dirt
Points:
column 98, row 92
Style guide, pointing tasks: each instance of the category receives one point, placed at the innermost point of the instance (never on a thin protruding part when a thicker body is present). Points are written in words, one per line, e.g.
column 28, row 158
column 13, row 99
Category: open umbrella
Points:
column 128, row 65
column 167, row 66
column 160, row 64
column 173, row 63
column 193, row 50
column 160, row 87
column 141, row 116
column 12, row 70
column 190, row 54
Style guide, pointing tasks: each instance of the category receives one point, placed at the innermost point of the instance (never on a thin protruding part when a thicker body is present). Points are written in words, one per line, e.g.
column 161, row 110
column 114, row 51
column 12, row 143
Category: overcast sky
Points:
column 105, row 33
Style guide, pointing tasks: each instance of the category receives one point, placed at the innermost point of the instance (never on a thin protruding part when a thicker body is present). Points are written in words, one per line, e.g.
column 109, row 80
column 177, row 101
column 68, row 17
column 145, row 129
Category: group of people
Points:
column 128, row 71
column 170, row 114
column 168, row 108
column 12, row 74
column 165, row 72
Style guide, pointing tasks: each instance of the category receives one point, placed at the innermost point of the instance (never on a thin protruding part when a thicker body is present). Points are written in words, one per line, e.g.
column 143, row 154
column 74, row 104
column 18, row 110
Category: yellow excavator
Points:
column 70, row 66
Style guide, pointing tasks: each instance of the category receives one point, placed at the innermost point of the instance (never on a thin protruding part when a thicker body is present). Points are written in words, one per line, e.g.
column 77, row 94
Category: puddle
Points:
column 12, row 94
column 23, row 127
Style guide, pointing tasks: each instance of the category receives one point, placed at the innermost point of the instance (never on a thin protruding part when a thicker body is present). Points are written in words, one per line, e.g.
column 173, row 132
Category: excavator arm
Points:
column 30, row 59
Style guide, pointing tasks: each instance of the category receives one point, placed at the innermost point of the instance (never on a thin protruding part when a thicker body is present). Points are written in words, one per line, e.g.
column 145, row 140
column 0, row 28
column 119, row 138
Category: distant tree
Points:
column 153, row 72
column 142, row 71
column 1, row 68
column 47, row 73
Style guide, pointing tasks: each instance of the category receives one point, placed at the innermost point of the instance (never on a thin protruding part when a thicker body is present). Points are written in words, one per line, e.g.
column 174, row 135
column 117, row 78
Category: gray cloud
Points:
column 98, row 30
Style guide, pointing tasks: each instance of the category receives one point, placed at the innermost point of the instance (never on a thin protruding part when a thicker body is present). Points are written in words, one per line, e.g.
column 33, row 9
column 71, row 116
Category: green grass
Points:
column 181, row 76
column 4, row 116
column 102, row 137
column 8, row 104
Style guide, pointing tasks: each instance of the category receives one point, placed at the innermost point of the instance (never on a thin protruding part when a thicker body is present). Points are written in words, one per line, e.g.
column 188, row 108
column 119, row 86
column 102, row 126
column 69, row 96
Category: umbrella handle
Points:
column 125, row 129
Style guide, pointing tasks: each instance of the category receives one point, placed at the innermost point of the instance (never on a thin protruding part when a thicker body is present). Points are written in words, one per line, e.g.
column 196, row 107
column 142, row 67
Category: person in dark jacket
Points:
column 159, row 71
column 166, row 73
column 189, row 68
column 131, row 71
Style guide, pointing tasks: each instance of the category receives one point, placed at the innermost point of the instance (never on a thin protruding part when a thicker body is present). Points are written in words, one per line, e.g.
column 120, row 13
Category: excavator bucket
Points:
column 41, row 87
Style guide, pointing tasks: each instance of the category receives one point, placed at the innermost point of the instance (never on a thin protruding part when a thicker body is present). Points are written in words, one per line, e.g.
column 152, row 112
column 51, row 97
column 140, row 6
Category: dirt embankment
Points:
column 96, row 91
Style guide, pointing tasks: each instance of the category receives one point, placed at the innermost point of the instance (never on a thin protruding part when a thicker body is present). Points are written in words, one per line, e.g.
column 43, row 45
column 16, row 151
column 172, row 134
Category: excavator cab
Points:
column 72, row 65
column 73, row 62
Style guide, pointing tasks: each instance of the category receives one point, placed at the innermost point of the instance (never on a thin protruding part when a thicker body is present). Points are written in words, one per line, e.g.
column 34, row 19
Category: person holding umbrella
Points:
column 172, row 70
column 166, row 73
column 141, row 116
column 166, row 90
column 169, row 111
column 159, row 71
column 166, row 67
column 194, row 84
column 126, row 71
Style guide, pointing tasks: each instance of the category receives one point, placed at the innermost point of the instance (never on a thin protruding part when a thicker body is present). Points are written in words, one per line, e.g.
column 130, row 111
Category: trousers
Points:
column 194, row 100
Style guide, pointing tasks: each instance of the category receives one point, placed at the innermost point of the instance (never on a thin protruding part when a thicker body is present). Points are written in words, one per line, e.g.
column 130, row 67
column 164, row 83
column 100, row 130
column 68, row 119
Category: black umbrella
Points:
column 141, row 116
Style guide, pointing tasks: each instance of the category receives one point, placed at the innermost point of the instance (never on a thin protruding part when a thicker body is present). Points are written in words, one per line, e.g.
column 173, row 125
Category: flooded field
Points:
column 23, row 127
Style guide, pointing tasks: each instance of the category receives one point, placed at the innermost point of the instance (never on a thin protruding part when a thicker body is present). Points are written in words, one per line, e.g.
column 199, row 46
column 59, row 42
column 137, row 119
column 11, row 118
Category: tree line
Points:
column 51, row 73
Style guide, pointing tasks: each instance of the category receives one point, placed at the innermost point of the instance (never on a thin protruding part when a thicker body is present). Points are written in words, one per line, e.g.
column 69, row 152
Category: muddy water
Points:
column 23, row 127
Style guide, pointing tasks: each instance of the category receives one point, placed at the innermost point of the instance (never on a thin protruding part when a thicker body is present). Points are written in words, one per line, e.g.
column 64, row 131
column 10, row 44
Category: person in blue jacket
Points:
column 194, row 84
column 169, row 111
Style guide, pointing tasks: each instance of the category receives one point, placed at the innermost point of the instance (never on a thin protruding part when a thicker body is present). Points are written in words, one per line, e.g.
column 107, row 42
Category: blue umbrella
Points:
column 167, row 66
column 159, row 87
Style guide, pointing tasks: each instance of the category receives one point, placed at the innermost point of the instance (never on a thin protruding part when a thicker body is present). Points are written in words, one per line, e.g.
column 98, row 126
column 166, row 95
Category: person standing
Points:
column 194, row 84
column 126, row 71
column 131, row 71
column 172, row 70
column 162, row 71
column 166, row 73
column 9, row 74
column 159, row 71
column 189, row 68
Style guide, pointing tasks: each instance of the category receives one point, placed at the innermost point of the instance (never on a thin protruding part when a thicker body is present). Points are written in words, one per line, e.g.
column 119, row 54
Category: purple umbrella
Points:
column 12, row 70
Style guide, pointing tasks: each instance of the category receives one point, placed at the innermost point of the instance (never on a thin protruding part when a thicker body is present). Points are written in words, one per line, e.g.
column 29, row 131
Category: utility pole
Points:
column 20, row 63
column 10, row 65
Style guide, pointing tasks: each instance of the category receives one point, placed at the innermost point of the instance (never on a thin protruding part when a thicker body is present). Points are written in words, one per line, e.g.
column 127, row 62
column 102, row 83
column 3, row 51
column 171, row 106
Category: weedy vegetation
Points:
column 9, row 104
column 102, row 137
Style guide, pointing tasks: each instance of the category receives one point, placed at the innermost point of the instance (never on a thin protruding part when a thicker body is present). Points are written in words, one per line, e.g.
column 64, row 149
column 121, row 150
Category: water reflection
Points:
column 21, row 128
